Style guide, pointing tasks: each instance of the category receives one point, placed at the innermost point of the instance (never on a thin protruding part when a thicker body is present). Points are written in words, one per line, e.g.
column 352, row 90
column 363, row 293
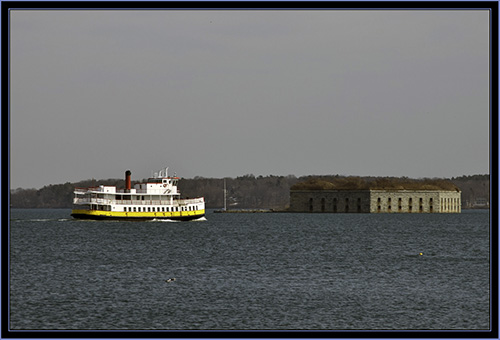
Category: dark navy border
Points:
column 492, row 6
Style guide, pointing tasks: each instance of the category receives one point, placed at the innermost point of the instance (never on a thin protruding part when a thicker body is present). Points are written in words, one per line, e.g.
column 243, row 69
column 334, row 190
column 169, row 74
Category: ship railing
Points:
column 80, row 200
column 143, row 202
column 187, row 201
column 85, row 190
column 162, row 202
column 87, row 200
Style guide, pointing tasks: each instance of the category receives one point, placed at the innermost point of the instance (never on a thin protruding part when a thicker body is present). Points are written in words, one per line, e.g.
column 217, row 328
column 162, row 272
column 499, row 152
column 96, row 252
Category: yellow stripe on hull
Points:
column 101, row 214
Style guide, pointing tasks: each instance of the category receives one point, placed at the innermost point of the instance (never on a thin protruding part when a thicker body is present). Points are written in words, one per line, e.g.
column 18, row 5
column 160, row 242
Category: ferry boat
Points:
column 158, row 198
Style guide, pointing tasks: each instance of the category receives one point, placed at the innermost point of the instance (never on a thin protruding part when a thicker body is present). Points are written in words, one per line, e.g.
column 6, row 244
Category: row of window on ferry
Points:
column 158, row 209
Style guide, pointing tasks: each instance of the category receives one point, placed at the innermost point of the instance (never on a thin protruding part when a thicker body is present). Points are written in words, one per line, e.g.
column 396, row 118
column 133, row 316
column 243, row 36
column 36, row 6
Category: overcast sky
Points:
column 228, row 93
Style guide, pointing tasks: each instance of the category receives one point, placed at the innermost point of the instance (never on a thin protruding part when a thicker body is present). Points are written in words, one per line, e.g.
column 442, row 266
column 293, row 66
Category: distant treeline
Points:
column 250, row 192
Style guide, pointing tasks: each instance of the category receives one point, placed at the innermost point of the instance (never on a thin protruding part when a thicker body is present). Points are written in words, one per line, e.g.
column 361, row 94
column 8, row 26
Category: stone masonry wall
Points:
column 404, row 201
column 375, row 201
column 450, row 201
column 332, row 201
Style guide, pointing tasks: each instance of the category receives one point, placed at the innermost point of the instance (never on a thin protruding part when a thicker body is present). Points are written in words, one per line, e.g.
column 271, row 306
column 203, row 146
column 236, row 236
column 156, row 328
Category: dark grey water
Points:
column 251, row 271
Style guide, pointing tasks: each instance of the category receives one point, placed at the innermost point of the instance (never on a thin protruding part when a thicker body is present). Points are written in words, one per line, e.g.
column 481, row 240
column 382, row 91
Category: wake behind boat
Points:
column 158, row 198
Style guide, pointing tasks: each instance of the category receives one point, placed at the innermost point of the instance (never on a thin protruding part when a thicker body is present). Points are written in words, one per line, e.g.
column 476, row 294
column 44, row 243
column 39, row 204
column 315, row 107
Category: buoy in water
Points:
column 421, row 254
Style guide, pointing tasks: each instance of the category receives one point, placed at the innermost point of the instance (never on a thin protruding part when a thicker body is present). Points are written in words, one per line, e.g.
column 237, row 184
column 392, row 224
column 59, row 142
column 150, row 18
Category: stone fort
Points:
column 375, row 197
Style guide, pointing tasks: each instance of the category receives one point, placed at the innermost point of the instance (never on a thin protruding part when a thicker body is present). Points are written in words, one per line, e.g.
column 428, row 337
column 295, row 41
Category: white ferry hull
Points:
column 137, row 216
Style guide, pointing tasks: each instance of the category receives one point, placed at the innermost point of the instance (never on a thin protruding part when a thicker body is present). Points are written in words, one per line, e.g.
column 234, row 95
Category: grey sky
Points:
column 229, row 93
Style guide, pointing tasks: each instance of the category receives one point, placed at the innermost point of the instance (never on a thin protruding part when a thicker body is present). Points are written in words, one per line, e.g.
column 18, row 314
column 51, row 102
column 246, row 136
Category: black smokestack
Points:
column 127, row 180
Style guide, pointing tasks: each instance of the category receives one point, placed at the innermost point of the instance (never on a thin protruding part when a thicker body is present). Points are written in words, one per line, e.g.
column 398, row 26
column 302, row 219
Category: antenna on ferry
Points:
column 166, row 172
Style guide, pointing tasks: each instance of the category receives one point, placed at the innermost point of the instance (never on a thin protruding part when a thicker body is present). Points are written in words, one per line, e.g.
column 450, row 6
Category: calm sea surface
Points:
column 251, row 271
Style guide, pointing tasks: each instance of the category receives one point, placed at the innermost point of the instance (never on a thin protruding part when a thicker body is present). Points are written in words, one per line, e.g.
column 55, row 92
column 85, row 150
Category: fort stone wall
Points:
column 404, row 201
column 375, row 201
column 332, row 201
column 450, row 201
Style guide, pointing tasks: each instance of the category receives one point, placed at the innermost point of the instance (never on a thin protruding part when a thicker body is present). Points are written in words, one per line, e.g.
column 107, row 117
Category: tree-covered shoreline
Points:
column 248, row 191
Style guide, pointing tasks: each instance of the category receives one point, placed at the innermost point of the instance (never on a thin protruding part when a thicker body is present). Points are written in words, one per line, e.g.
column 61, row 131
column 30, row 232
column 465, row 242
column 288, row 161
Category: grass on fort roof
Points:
column 382, row 183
